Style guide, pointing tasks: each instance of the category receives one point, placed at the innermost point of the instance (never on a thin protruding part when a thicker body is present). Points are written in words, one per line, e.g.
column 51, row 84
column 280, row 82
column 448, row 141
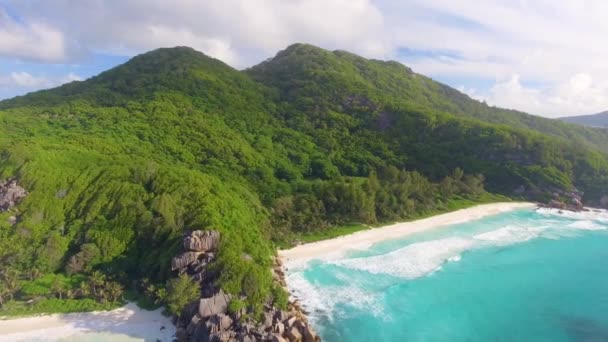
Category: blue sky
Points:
column 543, row 57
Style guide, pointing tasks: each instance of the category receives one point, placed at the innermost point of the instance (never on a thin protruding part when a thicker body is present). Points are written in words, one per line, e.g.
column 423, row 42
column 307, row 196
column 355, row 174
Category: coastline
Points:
column 365, row 238
column 127, row 323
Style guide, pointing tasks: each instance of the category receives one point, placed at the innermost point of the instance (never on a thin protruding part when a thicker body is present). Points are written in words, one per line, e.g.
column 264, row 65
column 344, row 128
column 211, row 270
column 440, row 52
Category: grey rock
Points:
column 12, row 220
column 225, row 321
column 181, row 335
column 10, row 194
column 278, row 328
column 267, row 320
column 248, row 338
column 289, row 322
column 577, row 203
column 293, row 334
column 281, row 315
column 193, row 323
column 310, row 335
column 184, row 260
column 214, row 305
column 202, row 241
column 276, row 338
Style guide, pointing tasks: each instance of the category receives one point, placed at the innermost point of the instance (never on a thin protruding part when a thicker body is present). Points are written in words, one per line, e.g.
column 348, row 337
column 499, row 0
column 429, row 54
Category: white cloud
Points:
column 24, row 81
column 579, row 94
column 35, row 40
column 240, row 32
column 559, row 44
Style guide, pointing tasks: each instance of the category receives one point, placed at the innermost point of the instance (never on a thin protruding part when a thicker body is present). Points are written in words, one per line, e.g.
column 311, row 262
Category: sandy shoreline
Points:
column 127, row 323
column 366, row 238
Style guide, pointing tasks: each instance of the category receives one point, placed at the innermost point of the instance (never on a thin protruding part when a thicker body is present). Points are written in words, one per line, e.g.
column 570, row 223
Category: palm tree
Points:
column 10, row 280
column 58, row 287
column 3, row 293
column 84, row 289
column 115, row 291
column 97, row 281
column 34, row 273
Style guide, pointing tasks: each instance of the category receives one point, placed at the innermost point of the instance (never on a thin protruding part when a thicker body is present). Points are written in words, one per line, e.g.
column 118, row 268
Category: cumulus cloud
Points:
column 34, row 40
column 240, row 32
column 25, row 81
column 579, row 94
column 558, row 44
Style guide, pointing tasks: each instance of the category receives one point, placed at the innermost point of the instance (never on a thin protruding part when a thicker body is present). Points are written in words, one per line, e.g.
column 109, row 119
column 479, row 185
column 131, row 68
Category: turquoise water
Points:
column 526, row 275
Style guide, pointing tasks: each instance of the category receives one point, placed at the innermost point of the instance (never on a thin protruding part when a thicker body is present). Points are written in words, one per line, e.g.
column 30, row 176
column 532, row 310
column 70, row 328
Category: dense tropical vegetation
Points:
column 119, row 166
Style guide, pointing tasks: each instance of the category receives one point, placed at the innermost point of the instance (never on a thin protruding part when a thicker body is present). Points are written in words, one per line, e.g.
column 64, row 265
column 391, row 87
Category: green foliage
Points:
column 119, row 166
column 181, row 291
column 50, row 283
column 55, row 305
column 236, row 305
column 280, row 298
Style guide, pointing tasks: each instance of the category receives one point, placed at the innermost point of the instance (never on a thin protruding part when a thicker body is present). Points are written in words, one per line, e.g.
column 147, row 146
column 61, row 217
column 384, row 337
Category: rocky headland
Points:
column 210, row 319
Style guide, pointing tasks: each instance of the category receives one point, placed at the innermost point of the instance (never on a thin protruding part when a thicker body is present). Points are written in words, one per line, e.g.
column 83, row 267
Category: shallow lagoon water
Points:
column 531, row 274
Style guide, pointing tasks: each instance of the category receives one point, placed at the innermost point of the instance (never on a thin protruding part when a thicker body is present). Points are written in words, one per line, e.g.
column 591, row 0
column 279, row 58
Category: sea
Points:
column 525, row 275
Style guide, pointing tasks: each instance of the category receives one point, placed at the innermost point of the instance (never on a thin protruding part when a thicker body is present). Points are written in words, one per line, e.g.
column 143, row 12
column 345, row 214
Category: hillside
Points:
column 594, row 120
column 118, row 167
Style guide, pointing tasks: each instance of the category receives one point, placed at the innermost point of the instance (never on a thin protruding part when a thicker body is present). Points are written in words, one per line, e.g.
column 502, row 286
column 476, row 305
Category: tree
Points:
column 114, row 290
column 181, row 291
column 58, row 287
column 9, row 281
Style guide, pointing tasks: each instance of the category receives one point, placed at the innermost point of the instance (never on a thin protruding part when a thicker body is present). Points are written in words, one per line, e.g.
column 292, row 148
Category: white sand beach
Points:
column 365, row 238
column 128, row 323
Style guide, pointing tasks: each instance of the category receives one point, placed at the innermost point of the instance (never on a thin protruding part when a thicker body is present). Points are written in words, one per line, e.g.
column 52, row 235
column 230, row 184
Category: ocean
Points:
column 524, row 275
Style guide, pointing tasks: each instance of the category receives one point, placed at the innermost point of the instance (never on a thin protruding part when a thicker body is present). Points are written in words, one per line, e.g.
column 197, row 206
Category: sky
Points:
column 544, row 57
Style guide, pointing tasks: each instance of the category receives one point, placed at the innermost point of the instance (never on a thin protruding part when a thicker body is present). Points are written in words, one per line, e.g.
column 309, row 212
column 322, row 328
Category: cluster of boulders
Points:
column 567, row 200
column 209, row 319
column 10, row 194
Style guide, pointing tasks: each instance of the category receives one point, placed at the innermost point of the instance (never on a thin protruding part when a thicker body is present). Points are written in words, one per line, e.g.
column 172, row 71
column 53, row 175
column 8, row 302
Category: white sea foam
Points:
column 509, row 235
column 587, row 225
column 412, row 261
column 455, row 258
column 321, row 301
column 598, row 215
column 422, row 258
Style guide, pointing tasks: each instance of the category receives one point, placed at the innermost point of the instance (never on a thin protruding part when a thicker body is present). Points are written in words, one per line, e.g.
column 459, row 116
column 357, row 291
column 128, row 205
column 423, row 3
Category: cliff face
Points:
column 210, row 318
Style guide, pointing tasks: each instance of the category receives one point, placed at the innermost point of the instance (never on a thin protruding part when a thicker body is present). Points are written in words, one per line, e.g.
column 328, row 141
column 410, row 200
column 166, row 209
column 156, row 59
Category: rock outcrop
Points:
column 209, row 318
column 10, row 194
column 217, row 304
column 202, row 241
column 566, row 200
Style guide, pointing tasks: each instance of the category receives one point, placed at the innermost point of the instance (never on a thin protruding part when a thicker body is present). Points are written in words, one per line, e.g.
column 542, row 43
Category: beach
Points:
column 365, row 238
column 128, row 323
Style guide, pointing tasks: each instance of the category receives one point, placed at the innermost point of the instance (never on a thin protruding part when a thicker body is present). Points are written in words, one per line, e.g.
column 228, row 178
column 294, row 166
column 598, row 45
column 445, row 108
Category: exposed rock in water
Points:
column 10, row 194
column 566, row 200
column 209, row 319
column 202, row 241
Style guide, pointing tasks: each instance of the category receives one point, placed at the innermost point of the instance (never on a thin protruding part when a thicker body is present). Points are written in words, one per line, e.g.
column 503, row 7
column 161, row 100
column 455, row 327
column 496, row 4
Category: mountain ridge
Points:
column 599, row 120
column 120, row 166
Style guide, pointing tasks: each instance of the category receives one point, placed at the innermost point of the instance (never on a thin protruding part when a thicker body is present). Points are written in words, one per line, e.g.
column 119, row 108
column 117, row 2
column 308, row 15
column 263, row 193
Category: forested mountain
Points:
column 119, row 166
column 593, row 120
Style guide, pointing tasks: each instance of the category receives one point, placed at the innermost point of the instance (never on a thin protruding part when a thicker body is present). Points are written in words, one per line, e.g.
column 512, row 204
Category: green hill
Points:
column 594, row 120
column 118, row 166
